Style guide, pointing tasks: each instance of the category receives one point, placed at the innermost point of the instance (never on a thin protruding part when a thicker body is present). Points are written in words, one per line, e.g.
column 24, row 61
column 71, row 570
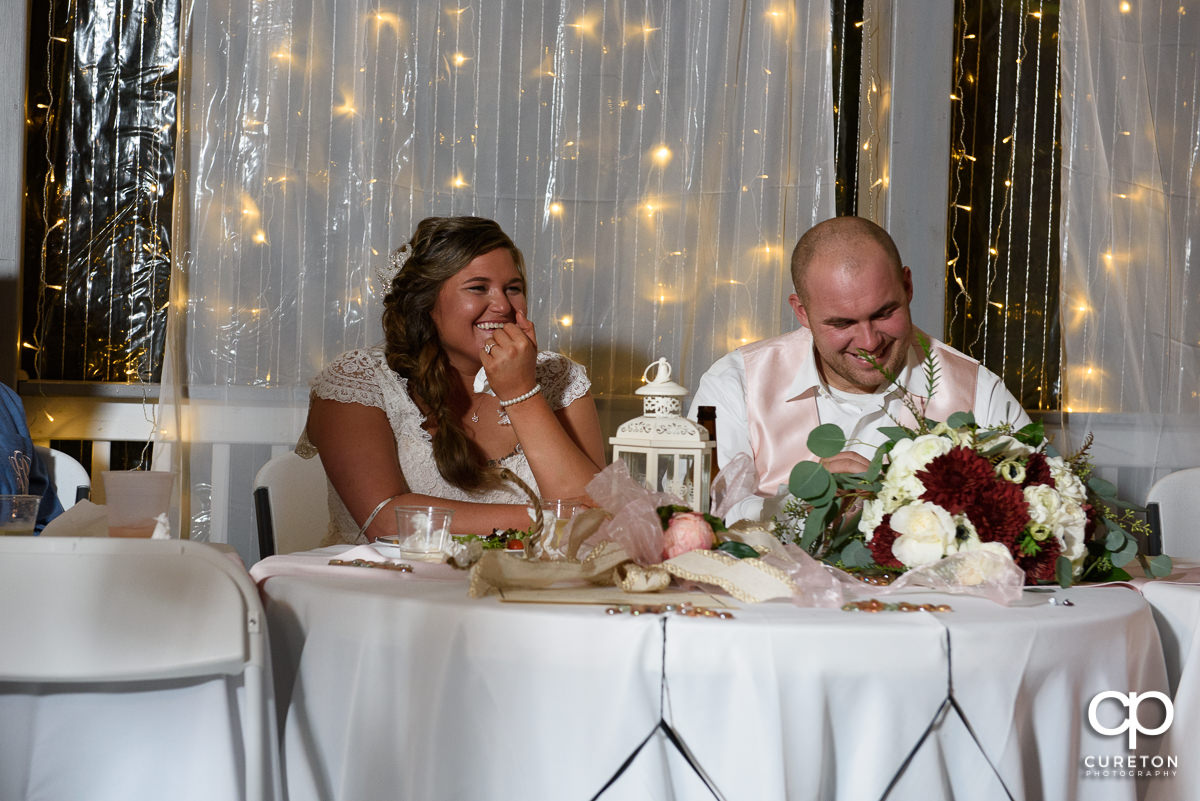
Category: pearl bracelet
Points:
column 536, row 389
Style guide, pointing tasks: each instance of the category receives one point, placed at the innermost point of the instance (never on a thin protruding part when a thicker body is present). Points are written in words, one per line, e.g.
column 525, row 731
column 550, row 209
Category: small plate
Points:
column 389, row 546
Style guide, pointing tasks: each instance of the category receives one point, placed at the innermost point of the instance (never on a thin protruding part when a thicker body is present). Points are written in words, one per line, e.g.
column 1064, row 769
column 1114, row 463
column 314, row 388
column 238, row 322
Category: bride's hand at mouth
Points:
column 510, row 358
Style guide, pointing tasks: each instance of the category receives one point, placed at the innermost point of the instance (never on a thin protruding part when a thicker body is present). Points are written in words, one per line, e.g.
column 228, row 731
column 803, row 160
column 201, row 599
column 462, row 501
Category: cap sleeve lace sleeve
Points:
column 351, row 378
column 563, row 381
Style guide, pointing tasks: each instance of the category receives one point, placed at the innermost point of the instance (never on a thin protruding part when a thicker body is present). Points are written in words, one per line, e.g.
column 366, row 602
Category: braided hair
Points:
column 441, row 246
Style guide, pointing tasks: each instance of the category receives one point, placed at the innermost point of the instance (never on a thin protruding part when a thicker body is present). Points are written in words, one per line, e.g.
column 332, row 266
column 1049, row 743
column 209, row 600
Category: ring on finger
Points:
column 487, row 346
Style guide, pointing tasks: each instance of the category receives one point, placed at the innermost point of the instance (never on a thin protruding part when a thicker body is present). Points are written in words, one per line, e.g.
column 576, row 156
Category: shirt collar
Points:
column 807, row 381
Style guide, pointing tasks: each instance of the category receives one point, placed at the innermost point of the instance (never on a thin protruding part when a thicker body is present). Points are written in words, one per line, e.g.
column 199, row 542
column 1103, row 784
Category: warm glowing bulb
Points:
column 1125, row 8
column 662, row 154
column 260, row 237
column 459, row 59
column 458, row 182
column 565, row 321
column 993, row 251
column 556, row 208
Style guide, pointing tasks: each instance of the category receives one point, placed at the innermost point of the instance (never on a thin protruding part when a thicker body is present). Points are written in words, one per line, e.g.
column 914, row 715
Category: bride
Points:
column 457, row 390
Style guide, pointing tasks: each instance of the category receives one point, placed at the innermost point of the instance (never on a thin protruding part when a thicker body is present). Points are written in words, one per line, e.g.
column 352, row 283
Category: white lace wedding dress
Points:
column 363, row 376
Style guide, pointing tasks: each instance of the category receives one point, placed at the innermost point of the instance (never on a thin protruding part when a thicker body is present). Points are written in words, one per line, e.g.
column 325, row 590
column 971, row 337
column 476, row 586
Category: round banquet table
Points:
column 396, row 685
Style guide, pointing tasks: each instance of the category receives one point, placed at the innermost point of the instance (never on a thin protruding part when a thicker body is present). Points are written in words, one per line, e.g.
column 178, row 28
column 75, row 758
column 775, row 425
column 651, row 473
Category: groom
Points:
column 852, row 300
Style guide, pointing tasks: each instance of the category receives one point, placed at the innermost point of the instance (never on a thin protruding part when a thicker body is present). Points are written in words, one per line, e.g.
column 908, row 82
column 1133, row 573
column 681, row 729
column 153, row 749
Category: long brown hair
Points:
column 441, row 246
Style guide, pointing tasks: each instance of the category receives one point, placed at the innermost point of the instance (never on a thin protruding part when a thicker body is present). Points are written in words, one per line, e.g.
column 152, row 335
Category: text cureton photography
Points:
column 1131, row 725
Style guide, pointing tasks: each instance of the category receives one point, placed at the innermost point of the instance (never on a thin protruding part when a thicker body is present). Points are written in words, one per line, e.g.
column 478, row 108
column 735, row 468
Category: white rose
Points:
column 1072, row 524
column 926, row 534
column 1066, row 482
column 912, row 455
column 872, row 516
column 1045, row 505
column 981, row 562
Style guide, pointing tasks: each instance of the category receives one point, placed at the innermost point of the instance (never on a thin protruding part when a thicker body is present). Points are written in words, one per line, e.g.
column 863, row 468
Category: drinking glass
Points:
column 422, row 531
column 18, row 513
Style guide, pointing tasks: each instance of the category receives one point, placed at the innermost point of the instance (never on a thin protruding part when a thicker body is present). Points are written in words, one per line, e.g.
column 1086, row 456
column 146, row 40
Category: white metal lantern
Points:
column 662, row 448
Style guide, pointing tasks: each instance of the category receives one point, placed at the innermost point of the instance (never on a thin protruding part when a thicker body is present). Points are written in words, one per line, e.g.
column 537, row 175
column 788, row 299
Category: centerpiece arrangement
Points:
column 937, row 489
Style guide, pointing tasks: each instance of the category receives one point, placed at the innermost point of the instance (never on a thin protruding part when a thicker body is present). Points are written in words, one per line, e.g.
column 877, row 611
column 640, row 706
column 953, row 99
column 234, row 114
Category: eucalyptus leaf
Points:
column 876, row 465
column 995, row 449
column 896, row 433
column 1127, row 554
column 1159, row 566
column 1104, row 489
column 961, row 420
column 809, row 480
column 814, row 525
column 738, row 549
column 856, row 554
column 826, row 440
column 828, row 497
column 1116, row 538
column 1063, row 571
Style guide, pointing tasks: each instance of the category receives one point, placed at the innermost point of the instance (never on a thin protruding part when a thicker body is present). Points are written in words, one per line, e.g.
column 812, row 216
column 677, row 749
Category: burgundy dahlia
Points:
column 999, row 512
column 1037, row 471
column 1040, row 567
column 881, row 544
column 955, row 479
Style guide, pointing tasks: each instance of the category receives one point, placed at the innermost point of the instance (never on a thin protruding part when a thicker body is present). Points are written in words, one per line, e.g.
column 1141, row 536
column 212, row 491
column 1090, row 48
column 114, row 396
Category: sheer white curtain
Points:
column 1130, row 222
column 655, row 162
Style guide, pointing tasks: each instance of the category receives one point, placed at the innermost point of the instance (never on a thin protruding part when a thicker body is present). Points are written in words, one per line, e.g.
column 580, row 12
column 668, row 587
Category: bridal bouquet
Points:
column 954, row 487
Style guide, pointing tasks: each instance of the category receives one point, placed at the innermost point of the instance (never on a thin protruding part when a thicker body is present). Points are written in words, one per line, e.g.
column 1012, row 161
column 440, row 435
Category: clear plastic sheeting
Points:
column 98, row 204
column 1130, row 217
column 655, row 162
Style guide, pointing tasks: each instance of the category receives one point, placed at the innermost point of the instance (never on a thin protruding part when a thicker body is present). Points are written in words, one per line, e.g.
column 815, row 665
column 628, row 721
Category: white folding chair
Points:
column 291, row 504
column 71, row 481
column 89, row 616
column 1177, row 496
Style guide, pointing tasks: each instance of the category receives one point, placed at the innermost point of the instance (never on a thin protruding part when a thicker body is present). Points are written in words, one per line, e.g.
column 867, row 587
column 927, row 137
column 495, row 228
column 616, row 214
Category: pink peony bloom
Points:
column 687, row 531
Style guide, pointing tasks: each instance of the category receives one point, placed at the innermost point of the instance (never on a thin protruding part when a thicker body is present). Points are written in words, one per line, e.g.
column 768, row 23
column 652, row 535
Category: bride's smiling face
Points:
column 475, row 301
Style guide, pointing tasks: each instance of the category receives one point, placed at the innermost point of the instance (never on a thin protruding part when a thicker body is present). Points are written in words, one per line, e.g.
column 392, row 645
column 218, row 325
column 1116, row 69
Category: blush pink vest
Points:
column 779, row 426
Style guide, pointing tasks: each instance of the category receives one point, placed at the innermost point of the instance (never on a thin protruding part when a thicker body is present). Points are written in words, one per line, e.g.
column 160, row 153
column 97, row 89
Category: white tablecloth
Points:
column 399, row 686
column 1177, row 609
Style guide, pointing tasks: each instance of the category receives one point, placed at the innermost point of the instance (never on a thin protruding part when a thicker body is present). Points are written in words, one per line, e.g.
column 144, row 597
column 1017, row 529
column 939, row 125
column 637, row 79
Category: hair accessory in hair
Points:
column 386, row 273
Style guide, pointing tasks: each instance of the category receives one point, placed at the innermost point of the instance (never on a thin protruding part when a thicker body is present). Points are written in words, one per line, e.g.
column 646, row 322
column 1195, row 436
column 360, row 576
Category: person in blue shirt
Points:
column 15, row 441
